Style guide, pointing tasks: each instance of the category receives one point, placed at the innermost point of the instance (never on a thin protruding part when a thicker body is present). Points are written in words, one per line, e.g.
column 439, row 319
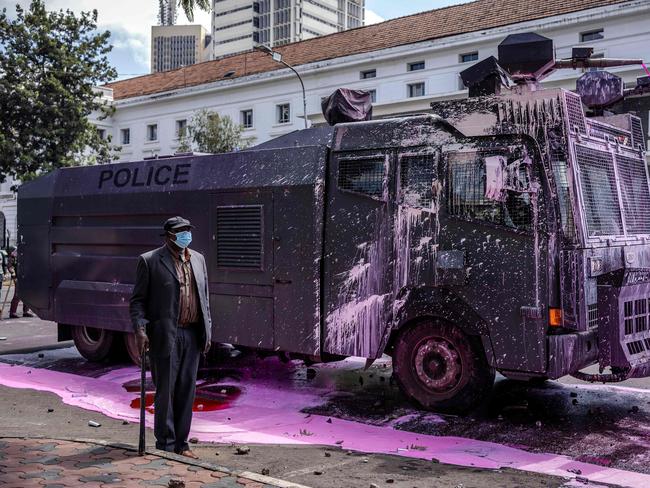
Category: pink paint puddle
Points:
column 209, row 399
column 268, row 411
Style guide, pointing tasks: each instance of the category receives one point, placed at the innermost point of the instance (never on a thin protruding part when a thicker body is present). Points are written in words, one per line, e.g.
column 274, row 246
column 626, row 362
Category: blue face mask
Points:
column 183, row 239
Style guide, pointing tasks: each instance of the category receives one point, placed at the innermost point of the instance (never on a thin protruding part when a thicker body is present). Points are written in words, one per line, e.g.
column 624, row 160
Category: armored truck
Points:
column 509, row 231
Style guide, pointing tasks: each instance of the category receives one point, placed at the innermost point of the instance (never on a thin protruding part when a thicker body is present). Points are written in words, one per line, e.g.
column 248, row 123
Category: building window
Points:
column 593, row 35
column 181, row 128
column 283, row 113
column 373, row 95
column 101, row 133
column 418, row 65
column 246, row 118
column 370, row 73
column 125, row 136
column 416, row 90
column 152, row 132
column 469, row 57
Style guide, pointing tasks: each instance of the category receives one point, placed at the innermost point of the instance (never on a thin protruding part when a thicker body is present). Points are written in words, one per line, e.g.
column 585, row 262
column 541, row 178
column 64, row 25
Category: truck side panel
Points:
column 83, row 229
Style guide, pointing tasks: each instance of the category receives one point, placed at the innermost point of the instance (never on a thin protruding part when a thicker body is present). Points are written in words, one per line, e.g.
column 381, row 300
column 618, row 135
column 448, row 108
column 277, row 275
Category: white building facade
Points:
column 238, row 25
column 402, row 79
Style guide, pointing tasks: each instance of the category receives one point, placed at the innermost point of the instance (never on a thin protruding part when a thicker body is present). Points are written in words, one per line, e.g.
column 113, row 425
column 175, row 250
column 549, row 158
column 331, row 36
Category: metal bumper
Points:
column 624, row 326
column 568, row 353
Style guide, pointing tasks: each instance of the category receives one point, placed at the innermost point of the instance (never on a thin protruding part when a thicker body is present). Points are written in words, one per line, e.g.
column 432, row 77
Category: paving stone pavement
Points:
column 28, row 462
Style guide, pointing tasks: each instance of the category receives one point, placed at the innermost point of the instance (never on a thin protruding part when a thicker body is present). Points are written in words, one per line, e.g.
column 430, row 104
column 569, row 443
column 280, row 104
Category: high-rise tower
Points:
column 237, row 25
column 166, row 12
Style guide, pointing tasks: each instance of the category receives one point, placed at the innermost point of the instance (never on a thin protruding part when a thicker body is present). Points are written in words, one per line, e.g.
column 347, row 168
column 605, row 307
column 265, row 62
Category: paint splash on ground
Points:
column 263, row 409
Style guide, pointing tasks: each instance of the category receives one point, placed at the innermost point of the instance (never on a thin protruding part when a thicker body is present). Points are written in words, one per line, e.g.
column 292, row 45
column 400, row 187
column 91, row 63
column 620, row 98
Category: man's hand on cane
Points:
column 142, row 340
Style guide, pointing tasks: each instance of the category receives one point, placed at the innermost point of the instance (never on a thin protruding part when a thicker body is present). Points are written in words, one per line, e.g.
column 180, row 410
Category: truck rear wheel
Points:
column 132, row 349
column 441, row 368
column 92, row 343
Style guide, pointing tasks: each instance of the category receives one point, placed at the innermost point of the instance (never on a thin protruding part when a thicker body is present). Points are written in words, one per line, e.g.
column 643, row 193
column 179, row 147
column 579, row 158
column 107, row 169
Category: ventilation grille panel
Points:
column 637, row 133
column 592, row 315
column 239, row 237
column 574, row 112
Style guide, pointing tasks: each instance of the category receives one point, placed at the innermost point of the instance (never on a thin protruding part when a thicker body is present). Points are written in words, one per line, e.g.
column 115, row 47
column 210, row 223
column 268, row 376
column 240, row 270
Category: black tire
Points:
column 92, row 343
column 132, row 350
column 440, row 367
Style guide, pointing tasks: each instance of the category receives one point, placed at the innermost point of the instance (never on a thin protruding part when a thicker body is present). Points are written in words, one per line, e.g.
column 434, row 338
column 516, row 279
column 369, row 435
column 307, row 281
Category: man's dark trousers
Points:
column 175, row 380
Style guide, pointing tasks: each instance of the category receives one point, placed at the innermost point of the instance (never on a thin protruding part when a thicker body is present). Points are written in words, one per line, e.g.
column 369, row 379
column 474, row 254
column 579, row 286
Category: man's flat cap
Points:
column 176, row 223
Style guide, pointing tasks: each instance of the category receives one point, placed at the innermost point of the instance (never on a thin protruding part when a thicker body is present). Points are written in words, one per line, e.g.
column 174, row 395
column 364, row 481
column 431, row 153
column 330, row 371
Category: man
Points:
column 170, row 312
column 13, row 270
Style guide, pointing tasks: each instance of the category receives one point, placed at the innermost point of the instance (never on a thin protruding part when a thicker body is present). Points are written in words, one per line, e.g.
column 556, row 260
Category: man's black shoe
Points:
column 28, row 314
column 13, row 316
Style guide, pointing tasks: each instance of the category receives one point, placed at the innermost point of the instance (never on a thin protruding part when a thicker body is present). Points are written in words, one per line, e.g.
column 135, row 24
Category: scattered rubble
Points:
column 241, row 450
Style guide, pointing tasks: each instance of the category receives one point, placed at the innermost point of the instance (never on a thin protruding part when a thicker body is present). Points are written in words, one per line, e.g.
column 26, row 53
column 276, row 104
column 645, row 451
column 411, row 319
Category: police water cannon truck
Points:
column 509, row 231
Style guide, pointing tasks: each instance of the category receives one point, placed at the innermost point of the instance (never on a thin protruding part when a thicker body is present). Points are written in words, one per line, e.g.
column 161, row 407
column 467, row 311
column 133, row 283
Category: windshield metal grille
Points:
column 635, row 194
column 598, row 184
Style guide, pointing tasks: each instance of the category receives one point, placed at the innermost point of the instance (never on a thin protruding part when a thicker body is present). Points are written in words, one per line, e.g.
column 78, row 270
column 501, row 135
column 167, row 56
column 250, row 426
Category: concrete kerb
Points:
column 30, row 350
column 260, row 478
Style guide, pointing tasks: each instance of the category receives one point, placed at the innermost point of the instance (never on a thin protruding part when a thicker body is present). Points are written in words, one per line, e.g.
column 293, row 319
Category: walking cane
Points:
column 142, row 401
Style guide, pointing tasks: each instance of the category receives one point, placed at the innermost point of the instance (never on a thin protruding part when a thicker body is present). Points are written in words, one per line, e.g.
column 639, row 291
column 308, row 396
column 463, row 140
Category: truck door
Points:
column 358, row 246
column 492, row 205
column 241, row 268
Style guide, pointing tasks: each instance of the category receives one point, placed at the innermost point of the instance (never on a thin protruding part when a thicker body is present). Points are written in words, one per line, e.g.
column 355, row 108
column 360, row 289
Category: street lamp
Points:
column 277, row 57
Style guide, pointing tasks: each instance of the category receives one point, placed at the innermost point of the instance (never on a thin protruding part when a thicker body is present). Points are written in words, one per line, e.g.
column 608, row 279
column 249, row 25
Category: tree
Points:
column 189, row 5
column 212, row 133
column 50, row 63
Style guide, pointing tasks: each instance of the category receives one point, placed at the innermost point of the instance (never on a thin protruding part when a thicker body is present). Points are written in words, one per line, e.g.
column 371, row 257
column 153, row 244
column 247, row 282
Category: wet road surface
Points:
column 602, row 429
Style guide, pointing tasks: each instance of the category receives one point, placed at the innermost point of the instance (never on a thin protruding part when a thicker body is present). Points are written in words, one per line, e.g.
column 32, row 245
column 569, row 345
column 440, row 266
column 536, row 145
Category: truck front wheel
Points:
column 92, row 343
column 441, row 368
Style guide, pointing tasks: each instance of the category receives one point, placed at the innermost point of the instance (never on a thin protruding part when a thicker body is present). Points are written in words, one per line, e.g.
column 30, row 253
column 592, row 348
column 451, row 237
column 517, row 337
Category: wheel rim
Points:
column 438, row 365
column 92, row 335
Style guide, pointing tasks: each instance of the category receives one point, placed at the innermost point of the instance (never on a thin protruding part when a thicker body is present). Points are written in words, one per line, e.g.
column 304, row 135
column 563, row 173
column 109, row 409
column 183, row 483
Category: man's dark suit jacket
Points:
column 156, row 295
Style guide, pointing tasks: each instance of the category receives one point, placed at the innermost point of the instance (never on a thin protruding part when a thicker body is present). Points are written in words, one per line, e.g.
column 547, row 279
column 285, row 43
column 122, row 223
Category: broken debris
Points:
column 241, row 450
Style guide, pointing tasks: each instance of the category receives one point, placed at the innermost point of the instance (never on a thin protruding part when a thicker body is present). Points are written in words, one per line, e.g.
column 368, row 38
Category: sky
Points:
column 130, row 26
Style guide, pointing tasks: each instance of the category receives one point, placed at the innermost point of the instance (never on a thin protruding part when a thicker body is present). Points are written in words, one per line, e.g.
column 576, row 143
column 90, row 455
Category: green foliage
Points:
column 189, row 5
column 212, row 133
column 49, row 64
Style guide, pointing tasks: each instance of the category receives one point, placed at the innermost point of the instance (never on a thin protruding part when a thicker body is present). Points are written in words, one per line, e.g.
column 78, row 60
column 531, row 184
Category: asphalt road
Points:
column 605, row 427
